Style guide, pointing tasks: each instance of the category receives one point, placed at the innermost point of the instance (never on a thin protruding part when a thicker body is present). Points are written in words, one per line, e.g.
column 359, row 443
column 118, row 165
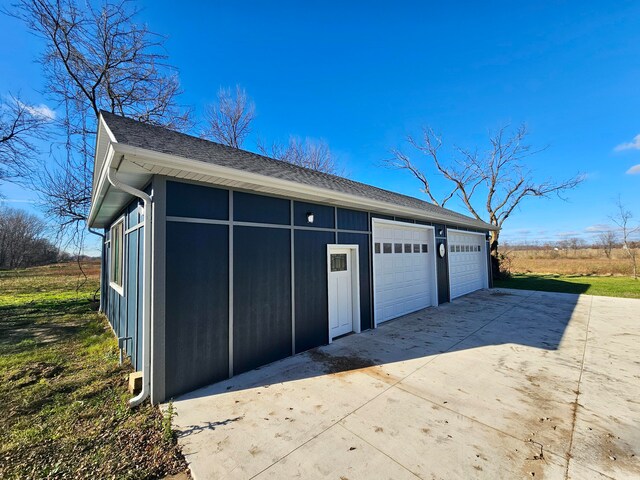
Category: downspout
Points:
column 146, row 283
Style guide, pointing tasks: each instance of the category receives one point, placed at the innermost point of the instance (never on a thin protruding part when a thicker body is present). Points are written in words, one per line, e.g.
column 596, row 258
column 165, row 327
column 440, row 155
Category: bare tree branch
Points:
column 95, row 58
column 312, row 154
column 623, row 218
column 20, row 125
column 229, row 120
column 500, row 174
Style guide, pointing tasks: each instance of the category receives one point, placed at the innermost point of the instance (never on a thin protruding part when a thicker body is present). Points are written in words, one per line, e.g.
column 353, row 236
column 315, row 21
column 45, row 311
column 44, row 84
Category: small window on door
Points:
column 407, row 248
column 416, row 248
column 386, row 247
column 425, row 248
column 397, row 247
column 338, row 262
column 377, row 247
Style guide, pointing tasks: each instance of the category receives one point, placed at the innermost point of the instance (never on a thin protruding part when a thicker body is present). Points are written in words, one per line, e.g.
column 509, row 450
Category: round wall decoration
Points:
column 441, row 250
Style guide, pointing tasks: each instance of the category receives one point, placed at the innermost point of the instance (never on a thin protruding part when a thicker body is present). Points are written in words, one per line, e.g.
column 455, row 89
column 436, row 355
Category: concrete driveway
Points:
column 498, row 384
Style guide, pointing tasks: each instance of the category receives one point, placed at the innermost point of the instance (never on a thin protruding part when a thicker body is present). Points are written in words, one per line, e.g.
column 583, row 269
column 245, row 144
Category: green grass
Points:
column 592, row 285
column 63, row 396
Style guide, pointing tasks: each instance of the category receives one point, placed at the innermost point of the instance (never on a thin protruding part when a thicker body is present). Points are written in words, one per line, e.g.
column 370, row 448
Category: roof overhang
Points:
column 136, row 166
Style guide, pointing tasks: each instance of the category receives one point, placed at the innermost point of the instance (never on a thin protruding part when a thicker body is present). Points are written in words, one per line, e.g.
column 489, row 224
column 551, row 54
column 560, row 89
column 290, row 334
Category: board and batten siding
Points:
column 245, row 280
column 124, row 311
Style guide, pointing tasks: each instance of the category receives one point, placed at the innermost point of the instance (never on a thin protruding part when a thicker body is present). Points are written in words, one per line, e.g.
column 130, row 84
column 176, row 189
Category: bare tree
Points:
column 312, row 154
column 229, row 119
column 607, row 241
column 95, row 58
column 495, row 181
column 623, row 219
column 20, row 125
column 22, row 240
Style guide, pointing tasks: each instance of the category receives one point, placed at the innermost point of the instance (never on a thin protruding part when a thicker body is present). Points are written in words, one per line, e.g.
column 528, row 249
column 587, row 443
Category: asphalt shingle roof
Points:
column 160, row 139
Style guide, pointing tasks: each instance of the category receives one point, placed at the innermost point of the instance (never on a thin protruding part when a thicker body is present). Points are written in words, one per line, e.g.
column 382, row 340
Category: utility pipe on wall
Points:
column 146, row 283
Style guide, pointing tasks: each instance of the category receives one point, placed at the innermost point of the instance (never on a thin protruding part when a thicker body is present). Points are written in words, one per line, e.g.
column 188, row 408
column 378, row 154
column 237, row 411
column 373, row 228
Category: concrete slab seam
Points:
column 575, row 402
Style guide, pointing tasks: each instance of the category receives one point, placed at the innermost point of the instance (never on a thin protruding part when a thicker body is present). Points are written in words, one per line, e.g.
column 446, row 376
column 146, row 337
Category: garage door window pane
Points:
column 407, row 248
column 425, row 248
column 386, row 248
column 377, row 247
column 338, row 262
column 416, row 248
column 397, row 248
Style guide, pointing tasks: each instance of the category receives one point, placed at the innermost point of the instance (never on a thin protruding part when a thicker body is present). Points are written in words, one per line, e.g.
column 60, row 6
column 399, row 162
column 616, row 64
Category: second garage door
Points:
column 467, row 262
column 404, row 269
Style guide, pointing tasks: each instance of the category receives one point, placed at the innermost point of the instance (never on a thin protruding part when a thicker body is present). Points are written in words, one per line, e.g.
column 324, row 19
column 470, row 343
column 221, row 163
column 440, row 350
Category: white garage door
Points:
column 467, row 262
column 404, row 269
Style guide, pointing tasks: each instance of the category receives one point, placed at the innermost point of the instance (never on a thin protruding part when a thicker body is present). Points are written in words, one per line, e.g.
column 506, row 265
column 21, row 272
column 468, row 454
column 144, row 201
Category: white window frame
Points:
column 112, row 283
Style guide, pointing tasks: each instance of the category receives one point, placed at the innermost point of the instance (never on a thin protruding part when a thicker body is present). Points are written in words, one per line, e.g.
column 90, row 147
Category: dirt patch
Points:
column 337, row 364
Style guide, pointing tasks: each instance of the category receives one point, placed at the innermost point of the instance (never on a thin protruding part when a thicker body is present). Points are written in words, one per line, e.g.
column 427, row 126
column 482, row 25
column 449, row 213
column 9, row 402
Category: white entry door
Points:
column 468, row 270
column 340, row 291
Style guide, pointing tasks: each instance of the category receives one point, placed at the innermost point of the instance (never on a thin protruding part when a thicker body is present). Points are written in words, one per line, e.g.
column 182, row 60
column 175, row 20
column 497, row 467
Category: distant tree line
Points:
column 23, row 242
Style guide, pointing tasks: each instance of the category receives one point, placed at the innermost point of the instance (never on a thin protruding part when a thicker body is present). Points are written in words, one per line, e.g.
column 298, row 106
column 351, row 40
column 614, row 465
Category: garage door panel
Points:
column 467, row 263
column 404, row 275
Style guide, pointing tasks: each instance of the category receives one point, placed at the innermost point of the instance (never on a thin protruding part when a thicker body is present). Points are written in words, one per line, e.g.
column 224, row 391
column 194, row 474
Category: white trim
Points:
column 484, row 256
column 134, row 228
column 355, row 284
column 264, row 225
column 112, row 284
column 230, row 249
column 292, row 249
column 384, row 221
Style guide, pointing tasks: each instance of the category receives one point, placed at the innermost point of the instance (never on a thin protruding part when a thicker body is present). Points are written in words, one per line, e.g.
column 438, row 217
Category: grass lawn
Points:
column 591, row 285
column 63, row 397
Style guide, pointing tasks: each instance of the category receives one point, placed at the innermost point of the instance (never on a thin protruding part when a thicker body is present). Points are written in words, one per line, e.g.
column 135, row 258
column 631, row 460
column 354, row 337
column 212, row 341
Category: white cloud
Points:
column 41, row 111
column 635, row 170
column 570, row 233
column 598, row 228
column 16, row 200
column 633, row 145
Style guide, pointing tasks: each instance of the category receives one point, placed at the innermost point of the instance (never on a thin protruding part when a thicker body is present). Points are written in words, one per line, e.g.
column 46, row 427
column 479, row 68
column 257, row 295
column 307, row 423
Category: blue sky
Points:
column 362, row 75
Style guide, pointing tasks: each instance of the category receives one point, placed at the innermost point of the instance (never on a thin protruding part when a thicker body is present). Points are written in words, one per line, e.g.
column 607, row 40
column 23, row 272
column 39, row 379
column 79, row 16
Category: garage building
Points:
column 217, row 260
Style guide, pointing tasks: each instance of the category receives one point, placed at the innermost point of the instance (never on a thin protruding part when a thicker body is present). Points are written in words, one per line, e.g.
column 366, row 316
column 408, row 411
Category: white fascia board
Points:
column 181, row 163
column 101, row 186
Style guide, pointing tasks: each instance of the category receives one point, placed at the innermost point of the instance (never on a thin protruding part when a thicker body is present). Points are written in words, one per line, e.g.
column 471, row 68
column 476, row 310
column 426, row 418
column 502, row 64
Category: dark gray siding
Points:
column 124, row 312
column 197, row 306
column 261, row 296
column 311, row 288
column 353, row 220
column 248, row 207
column 442, row 265
column 363, row 242
column 196, row 201
column 323, row 216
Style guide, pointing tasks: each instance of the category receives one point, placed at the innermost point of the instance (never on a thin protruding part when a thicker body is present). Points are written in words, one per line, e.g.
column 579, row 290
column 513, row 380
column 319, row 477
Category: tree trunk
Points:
column 493, row 248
